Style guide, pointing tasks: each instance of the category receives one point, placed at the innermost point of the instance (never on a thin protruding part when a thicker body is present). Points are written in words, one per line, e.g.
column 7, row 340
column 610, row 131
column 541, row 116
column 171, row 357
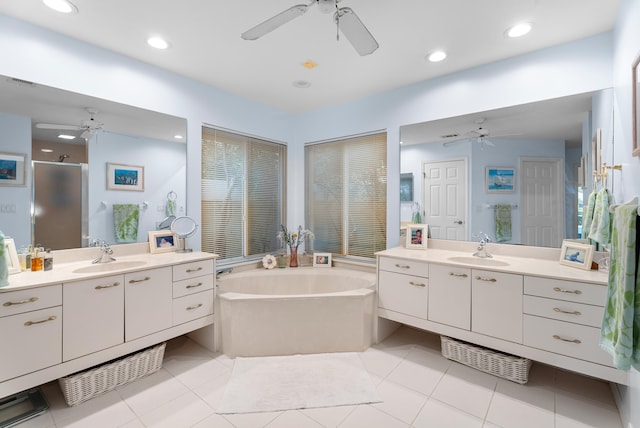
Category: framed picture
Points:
column 11, row 256
column 635, row 72
column 125, row 177
column 12, row 170
column 417, row 236
column 406, row 187
column 500, row 180
column 321, row 259
column 576, row 255
column 162, row 241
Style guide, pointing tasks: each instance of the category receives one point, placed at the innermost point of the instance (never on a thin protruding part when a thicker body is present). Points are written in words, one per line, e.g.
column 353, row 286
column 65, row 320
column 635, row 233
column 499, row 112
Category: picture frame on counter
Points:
column 162, row 241
column 576, row 254
column 417, row 236
column 11, row 256
column 322, row 260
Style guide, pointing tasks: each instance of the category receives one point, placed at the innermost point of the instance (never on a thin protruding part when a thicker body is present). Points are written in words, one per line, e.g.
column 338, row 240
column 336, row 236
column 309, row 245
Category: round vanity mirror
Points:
column 183, row 227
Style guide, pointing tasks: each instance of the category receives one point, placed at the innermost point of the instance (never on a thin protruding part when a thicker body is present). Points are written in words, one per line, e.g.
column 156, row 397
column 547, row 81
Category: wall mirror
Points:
column 66, row 188
column 541, row 143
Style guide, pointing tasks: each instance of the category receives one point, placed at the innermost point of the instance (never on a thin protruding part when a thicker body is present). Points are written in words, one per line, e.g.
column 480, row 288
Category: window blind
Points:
column 242, row 193
column 346, row 192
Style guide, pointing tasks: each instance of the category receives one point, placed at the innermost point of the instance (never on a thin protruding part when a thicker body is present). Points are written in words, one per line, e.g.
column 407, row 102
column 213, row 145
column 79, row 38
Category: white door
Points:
column 445, row 198
column 542, row 202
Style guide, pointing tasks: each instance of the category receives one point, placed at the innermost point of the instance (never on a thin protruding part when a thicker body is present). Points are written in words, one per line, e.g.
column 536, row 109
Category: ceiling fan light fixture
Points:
column 62, row 6
column 519, row 30
column 436, row 56
column 158, row 43
column 326, row 6
column 301, row 84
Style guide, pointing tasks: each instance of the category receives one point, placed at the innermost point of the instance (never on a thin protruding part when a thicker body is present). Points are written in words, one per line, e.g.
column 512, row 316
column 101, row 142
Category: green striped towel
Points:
column 503, row 222
column 125, row 217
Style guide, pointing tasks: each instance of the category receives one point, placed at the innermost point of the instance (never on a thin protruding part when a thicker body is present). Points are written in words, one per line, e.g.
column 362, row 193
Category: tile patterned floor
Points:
column 419, row 387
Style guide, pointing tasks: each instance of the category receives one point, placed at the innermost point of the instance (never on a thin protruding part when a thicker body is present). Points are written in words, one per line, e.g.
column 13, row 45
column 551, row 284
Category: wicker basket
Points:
column 510, row 367
column 80, row 387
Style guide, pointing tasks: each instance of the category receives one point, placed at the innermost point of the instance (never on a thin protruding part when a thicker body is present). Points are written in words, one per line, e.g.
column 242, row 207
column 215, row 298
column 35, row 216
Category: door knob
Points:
column 457, row 222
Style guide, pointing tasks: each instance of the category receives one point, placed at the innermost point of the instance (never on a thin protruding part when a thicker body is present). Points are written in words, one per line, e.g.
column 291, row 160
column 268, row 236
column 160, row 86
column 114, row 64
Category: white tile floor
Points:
column 419, row 387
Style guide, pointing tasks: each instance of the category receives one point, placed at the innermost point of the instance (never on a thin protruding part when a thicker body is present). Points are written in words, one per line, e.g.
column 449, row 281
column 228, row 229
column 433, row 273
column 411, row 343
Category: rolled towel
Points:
column 503, row 222
column 126, row 218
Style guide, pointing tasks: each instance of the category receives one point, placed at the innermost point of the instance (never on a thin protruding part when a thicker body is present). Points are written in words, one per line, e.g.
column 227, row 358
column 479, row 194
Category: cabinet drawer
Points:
column 564, row 311
column 591, row 294
column 409, row 267
column 31, row 341
column 565, row 338
column 193, row 285
column 403, row 293
column 16, row 302
column 193, row 306
column 190, row 270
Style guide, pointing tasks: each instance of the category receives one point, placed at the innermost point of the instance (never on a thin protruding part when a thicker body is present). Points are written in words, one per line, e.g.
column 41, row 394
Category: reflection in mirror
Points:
column 512, row 173
column 70, row 138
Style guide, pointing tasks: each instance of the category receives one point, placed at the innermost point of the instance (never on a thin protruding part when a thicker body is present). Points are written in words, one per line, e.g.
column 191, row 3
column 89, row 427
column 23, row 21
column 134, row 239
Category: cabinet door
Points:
column 496, row 304
column 450, row 296
column 148, row 302
column 30, row 341
column 406, row 294
column 93, row 315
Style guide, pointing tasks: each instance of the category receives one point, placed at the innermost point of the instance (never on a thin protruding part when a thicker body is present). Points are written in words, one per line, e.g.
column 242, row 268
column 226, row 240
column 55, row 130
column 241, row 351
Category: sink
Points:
column 478, row 261
column 109, row 267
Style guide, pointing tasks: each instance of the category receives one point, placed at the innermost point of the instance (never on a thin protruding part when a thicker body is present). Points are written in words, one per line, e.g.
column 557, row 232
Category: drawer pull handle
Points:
column 479, row 278
column 564, row 290
column 102, row 287
column 562, row 311
column 459, row 275
column 21, row 302
column 191, row 308
column 30, row 323
column 403, row 266
column 555, row 336
column 417, row 284
column 133, row 281
column 199, row 268
column 194, row 285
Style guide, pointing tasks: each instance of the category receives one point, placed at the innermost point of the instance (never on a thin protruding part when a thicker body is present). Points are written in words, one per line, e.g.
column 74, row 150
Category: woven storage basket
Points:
column 496, row 363
column 82, row 386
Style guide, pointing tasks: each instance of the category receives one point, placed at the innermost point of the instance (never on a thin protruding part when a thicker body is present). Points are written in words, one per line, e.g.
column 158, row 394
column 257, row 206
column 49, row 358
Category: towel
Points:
column 125, row 218
column 600, row 230
column 503, row 223
column 620, row 331
column 588, row 215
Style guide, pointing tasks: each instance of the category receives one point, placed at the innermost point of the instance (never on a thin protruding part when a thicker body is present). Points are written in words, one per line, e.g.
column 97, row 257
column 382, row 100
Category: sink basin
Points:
column 109, row 267
column 478, row 261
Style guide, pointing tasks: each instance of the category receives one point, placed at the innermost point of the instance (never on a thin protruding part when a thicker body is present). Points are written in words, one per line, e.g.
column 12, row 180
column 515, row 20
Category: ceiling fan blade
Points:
column 88, row 134
column 355, row 31
column 60, row 127
column 274, row 22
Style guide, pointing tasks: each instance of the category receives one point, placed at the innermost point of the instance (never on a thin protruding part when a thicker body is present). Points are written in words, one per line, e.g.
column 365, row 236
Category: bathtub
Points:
column 295, row 311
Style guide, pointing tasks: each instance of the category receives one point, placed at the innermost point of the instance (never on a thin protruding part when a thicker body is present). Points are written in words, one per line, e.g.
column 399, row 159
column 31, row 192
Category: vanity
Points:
column 521, row 301
column 78, row 315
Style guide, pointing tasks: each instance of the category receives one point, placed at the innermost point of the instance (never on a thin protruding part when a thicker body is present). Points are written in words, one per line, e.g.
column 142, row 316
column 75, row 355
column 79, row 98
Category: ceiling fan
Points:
column 345, row 18
column 88, row 127
column 479, row 135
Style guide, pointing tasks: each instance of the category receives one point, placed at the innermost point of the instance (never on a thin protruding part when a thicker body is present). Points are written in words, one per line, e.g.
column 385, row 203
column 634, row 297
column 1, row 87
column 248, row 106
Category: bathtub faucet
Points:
column 221, row 271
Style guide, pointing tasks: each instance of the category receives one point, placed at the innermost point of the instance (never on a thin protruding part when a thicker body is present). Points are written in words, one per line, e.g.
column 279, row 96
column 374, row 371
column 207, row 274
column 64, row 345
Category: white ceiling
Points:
column 206, row 44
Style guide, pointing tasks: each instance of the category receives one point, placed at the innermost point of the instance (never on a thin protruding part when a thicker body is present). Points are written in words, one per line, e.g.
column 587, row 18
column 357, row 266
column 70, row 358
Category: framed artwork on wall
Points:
column 500, row 180
column 12, row 169
column 125, row 177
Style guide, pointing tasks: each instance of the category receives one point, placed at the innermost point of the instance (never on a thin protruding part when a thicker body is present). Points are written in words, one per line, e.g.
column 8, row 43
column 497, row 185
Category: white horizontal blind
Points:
column 242, row 193
column 346, row 195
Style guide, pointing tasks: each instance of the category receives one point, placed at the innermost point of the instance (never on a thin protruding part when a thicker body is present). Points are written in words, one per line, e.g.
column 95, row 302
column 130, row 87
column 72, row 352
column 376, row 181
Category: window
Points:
column 346, row 195
column 243, row 188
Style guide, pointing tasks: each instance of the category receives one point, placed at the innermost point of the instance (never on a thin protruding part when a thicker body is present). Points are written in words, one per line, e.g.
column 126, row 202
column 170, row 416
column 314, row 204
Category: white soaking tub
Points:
column 296, row 311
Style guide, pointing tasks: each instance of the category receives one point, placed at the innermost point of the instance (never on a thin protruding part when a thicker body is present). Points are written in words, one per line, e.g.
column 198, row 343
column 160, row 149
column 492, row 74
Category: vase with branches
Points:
column 293, row 240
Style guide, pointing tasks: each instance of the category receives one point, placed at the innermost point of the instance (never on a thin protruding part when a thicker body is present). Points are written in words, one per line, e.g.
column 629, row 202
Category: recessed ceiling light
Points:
column 436, row 56
column 158, row 42
column 302, row 84
column 66, row 137
column 178, row 137
column 518, row 30
column 63, row 6
column 46, row 150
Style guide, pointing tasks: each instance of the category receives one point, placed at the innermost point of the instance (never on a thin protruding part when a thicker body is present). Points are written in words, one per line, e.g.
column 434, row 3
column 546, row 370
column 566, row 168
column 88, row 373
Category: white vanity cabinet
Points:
column 30, row 330
column 496, row 304
column 148, row 302
column 565, row 317
column 403, row 286
column 93, row 315
column 450, row 295
column 193, row 295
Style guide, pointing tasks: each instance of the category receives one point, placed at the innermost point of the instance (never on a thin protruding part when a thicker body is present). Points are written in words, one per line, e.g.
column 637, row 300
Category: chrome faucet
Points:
column 223, row 271
column 105, row 256
column 483, row 240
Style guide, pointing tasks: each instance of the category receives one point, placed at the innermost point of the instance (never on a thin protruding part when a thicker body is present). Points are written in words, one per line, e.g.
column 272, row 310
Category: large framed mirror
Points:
column 541, row 144
column 68, row 139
